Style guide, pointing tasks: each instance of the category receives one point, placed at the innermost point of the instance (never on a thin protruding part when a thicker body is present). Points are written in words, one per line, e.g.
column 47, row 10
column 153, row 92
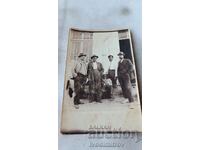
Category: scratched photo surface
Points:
column 101, row 89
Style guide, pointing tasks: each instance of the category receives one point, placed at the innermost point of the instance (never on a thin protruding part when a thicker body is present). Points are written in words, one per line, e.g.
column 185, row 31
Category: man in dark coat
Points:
column 80, row 78
column 95, row 72
column 125, row 69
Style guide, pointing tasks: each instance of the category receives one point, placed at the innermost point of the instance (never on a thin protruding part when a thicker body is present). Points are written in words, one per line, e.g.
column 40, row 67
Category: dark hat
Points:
column 94, row 56
column 110, row 55
column 81, row 54
column 121, row 53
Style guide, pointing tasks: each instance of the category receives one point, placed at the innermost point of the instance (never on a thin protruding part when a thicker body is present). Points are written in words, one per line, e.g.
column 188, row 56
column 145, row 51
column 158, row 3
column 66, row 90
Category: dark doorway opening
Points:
column 126, row 48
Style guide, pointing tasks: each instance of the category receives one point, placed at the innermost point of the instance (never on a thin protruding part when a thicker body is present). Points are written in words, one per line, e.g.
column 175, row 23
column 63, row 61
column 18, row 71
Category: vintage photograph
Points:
column 101, row 88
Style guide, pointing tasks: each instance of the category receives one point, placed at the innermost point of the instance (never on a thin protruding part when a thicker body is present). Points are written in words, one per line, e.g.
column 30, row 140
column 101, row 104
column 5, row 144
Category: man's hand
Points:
column 74, row 74
column 87, row 80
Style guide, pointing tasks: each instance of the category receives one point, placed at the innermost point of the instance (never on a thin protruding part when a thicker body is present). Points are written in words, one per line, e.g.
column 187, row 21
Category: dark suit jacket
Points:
column 125, row 68
column 90, row 69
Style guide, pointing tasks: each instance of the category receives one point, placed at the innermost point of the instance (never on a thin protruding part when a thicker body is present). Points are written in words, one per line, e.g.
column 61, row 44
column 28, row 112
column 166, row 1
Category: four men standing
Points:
column 93, row 72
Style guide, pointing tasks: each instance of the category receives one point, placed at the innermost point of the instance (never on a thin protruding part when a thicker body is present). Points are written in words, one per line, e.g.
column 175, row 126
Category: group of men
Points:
column 92, row 73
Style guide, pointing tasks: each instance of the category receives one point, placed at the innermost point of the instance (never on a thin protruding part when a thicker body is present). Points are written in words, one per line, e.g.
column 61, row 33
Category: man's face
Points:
column 121, row 56
column 110, row 58
column 94, row 59
column 82, row 58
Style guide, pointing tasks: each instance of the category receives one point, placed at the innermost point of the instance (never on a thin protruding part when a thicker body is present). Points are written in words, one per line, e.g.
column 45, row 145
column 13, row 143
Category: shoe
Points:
column 124, row 101
column 76, row 106
column 131, row 105
column 80, row 102
column 99, row 101
column 112, row 97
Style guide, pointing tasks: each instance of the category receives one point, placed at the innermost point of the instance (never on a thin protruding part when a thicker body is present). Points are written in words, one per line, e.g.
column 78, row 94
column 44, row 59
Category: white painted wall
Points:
column 105, row 44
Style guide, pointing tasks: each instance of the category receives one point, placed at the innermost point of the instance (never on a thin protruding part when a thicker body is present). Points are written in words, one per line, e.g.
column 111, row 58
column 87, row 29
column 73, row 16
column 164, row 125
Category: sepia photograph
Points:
column 101, row 88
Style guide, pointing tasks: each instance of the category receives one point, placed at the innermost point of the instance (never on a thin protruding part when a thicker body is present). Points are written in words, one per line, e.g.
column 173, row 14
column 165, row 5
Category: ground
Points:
column 109, row 113
column 111, row 103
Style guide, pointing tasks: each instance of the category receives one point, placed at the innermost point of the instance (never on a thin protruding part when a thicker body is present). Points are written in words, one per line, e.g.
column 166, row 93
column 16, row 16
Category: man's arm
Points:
column 88, row 70
column 130, row 66
column 102, row 69
column 74, row 72
column 131, row 70
column 116, row 69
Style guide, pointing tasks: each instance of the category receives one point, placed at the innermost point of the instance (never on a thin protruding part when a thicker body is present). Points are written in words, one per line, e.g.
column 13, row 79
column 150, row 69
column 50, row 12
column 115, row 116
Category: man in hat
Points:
column 125, row 68
column 95, row 72
column 112, row 71
column 80, row 78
